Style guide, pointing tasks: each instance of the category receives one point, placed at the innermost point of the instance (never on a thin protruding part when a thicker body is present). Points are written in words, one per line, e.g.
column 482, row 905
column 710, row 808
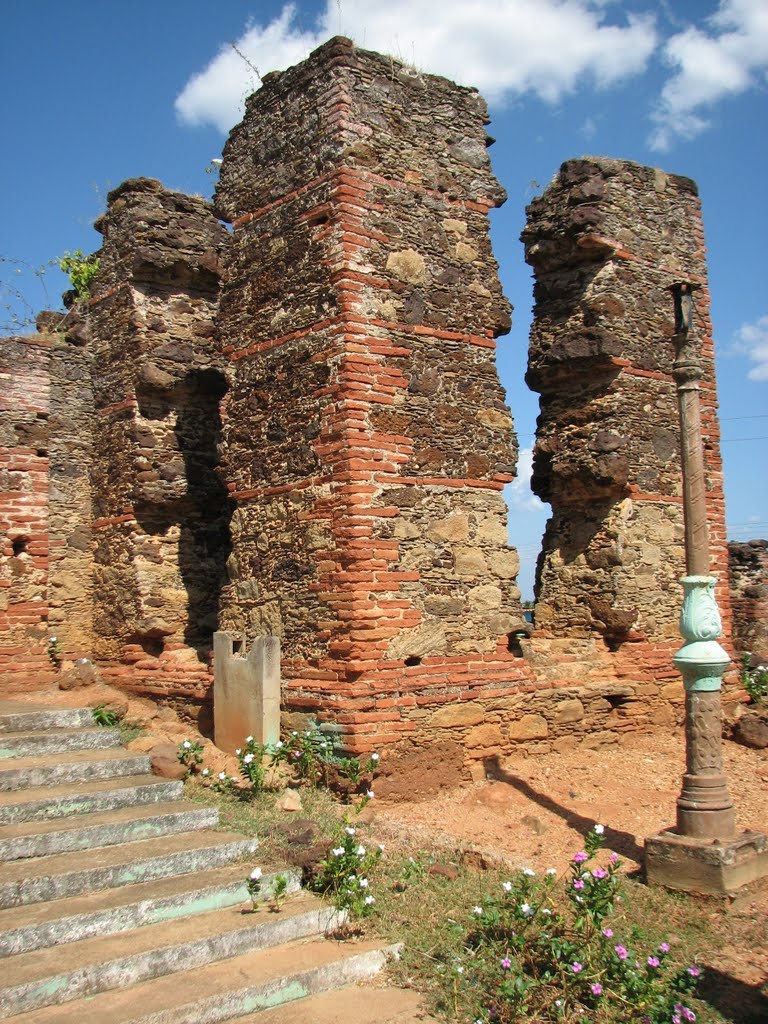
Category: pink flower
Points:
column 579, row 858
column 599, row 873
column 597, row 989
column 664, row 947
column 576, row 967
column 688, row 1014
column 506, row 963
column 653, row 961
column 621, row 952
column 578, row 883
column 694, row 971
column 608, row 933
column 614, row 857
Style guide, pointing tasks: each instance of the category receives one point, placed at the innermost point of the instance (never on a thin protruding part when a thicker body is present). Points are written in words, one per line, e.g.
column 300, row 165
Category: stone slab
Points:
column 706, row 867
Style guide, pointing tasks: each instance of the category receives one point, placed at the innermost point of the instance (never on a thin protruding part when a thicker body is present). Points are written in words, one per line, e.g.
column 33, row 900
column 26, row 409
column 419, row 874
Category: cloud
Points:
column 727, row 59
column 504, row 47
column 520, row 497
column 752, row 339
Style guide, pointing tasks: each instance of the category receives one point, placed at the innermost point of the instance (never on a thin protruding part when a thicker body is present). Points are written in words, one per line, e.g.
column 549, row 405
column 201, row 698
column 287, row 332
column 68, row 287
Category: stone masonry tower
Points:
column 366, row 436
column 607, row 241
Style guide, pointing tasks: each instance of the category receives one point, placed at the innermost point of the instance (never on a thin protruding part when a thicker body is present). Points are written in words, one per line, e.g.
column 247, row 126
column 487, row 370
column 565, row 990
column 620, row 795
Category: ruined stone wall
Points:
column 367, row 439
column 160, row 513
column 748, row 578
column 24, row 544
column 607, row 240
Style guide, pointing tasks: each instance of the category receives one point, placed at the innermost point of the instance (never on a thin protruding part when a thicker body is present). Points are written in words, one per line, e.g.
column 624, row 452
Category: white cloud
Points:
column 726, row 59
column 520, row 497
column 752, row 339
column 504, row 47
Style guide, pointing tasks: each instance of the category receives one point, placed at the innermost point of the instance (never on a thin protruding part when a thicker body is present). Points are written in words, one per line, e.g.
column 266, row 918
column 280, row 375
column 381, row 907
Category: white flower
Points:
column 338, row 851
column 506, row 886
column 256, row 874
column 374, row 757
column 249, row 739
column 477, row 911
column 52, row 639
column 381, row 847
column 551, row 871
column 206, row 771
column 278, row 745
column 369, row 794
column 248, row 758
column 186, row 744
column 239, row 751
column 527, row 909
column 529, row 872
column 360, row 851
column 546, row 910
column 599, row 829
column 349, row 830
column 222, row 775
column 363, row 883
column 369, row 900
column 459, row 969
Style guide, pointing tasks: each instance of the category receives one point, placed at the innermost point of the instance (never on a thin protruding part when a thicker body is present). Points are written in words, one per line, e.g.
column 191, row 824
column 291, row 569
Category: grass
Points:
column 424, row 900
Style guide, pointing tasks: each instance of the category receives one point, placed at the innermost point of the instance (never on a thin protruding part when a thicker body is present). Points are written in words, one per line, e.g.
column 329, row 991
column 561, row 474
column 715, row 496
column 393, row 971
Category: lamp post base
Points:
column 708, row 867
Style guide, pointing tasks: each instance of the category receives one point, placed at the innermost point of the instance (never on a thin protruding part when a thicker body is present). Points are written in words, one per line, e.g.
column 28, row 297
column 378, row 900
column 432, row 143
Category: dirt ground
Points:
column 536, row 810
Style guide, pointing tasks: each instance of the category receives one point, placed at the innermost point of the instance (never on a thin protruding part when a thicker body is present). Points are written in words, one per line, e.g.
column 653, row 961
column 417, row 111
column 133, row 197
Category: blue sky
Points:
column 95, row 93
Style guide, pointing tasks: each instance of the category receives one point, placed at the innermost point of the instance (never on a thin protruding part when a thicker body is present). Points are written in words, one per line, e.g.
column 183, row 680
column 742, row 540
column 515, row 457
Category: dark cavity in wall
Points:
column 204, row 511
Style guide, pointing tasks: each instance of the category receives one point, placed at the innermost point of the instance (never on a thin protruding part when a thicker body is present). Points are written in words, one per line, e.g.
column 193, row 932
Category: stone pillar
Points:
column 367, row 437
column 606, row 241
column 24, row 549
column 160, row 512
column 246, row 691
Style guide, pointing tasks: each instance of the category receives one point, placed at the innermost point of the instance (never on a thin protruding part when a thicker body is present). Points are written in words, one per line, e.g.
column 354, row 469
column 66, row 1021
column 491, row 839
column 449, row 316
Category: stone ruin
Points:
column 296, row 427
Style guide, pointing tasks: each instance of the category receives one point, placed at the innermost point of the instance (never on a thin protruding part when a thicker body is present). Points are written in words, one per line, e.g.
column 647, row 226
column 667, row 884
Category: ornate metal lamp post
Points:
column 704, row 852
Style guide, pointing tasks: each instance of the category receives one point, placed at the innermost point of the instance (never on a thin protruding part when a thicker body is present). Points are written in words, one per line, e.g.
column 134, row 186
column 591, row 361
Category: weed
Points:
column 754, row 680
column 190, row 754
column 105, row 716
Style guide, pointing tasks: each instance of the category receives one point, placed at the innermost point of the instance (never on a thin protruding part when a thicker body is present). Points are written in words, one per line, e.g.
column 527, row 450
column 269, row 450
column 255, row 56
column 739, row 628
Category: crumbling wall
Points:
column 748, row 578
column 607, row 240
column 367, row 440
column 160, row 512
column 24, row 546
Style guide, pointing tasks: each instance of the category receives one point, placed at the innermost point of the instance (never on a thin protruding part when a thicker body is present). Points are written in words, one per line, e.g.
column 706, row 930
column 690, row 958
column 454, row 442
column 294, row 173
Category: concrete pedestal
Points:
column 712, row 867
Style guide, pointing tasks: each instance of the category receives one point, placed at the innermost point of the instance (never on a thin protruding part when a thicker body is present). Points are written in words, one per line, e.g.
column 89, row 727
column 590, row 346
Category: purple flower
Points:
column 580, row 857
column 597, row 989
column 578, row 883
column 694, row 971
column 688, row 1014
column 599, row 873
column 576, row 967
column 664, row 947
column 621, row 952
column 608, row 933
column 653, row 961
column 506, row 963
column 614, row 857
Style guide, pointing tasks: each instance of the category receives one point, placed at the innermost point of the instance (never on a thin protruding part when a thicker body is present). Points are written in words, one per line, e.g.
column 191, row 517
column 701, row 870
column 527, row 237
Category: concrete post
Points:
column 246, row 691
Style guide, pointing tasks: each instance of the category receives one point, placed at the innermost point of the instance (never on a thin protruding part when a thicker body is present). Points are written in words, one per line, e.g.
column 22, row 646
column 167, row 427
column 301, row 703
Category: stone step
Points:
column 87, row 831
column 19, row 773
column 70, row 874
column 17, row 717
column 84, row 968
column 86, row 798
column 225, row 990
column 30, row 744
column 39, row 925
column 355, row 1005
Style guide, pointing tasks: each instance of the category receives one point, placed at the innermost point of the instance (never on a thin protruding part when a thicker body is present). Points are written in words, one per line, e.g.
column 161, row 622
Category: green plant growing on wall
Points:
column 81, row 270
column 754, row 680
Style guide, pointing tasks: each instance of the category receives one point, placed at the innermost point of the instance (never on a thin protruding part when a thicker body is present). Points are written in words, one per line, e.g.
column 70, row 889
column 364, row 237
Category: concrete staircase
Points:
column 120, row 903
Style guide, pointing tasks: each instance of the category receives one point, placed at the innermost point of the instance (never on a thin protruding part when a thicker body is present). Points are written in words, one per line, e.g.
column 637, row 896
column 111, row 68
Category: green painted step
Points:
column 19, row 773
column 17, row 717
column 223, row 991
column 85, row 798
column 39, row 925
column 28, row 744
column 63, row 973
column 69, row 874
column 86, row 831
